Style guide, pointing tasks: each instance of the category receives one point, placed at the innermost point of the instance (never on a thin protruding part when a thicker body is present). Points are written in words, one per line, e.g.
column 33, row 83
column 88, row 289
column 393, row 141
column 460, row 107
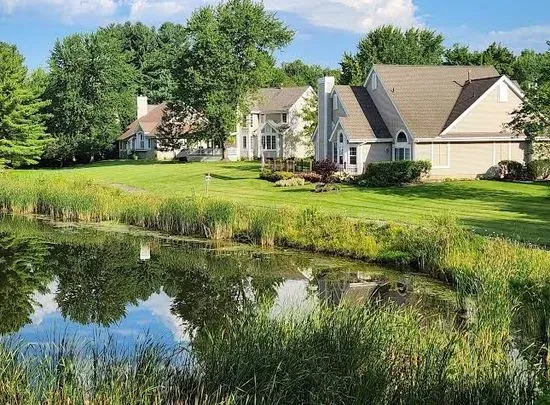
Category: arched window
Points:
column 402, row 148
column 341, row 137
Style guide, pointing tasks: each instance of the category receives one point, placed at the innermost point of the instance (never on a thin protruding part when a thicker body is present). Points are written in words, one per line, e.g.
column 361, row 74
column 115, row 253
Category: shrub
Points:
column 511, row 170
column 326, row 168
column 310, row 177
column 342, row 177
column 538, row 169
column 293, row 182
column 326, row 187
column 273, row 177
column 385, row 174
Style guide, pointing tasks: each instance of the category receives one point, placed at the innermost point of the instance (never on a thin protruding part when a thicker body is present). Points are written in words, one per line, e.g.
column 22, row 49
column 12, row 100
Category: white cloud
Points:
column 348, row 15
column 534, row 36
column 66, row 10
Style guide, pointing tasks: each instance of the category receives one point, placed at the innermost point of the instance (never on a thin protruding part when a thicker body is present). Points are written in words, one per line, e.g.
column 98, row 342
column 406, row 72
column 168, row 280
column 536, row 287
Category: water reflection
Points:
column 78, row 280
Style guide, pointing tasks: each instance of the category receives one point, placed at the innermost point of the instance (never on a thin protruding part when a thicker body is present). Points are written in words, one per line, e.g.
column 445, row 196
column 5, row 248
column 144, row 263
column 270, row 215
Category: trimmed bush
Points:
column 538, row 169
column 511, row 170
column 342, row 177
column 293, row 182
column 310, row 177
column 273, row 177
column 384, row 174
column 326, row 168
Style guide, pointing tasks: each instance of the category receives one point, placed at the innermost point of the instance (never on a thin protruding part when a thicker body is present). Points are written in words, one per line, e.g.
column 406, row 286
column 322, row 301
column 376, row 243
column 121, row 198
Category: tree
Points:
column 311, row 120
column 92, row 89
column 500, row 57
column 224, row 62
column 298, row 73
column 392, row 45
column 533, row 119
column 22, row 130
column 531, row 68
column 175, row 129
column 462, row 56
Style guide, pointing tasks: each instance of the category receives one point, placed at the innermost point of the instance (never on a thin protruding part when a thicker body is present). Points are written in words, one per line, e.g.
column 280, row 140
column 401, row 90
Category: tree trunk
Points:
column 224, row 152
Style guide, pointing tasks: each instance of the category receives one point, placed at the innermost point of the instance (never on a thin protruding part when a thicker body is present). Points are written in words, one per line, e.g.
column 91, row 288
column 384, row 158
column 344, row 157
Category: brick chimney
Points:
column 142, row 106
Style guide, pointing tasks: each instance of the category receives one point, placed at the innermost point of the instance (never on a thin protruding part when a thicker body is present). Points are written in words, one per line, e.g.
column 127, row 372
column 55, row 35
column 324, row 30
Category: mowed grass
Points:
column 519, row 211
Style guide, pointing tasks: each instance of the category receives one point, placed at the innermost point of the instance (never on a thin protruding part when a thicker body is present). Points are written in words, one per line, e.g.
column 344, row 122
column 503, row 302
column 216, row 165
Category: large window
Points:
column 402, row 148
column 269, row 142
column 402, row 153
column 353, row 155
column 334, row 152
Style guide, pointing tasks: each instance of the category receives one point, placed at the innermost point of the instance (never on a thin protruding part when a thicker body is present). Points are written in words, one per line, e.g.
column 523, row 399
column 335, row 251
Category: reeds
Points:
column 379, row 355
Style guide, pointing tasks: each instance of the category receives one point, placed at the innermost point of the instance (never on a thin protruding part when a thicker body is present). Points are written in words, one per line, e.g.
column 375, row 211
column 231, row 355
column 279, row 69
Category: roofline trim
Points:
column 478, row 139
column 381, row 82
column 503, row 79
column 340, row 124
column 339, row 100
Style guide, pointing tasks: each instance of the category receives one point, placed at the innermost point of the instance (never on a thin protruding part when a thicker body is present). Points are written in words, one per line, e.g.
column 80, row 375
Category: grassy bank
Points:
column 512, row 210
column 351, row 355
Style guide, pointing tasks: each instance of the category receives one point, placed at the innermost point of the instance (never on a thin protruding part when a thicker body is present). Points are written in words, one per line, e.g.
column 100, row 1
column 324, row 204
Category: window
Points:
column 353, row 155
column 262, row 118
column 134, row 143
column 341, row 159
column 402, row 153
column 402, row 137
column 251, row 121
column 341, row 138
column 269, row 142
column 285, row 118
column 374, row 81
column 335, row 102
column 244, row 142
column 503, row 93
column 335, row 152
column 148, row 143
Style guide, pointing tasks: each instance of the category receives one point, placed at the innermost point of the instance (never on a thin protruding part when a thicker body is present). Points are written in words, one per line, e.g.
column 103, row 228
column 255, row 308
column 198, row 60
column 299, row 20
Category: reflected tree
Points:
column 22, row 274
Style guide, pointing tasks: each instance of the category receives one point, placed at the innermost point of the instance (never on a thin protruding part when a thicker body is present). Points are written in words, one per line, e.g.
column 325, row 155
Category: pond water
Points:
column 124, row 284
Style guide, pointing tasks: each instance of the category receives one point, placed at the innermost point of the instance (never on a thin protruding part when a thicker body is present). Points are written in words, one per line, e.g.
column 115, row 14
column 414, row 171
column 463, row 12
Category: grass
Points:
column 347, row 355
column 517, row 211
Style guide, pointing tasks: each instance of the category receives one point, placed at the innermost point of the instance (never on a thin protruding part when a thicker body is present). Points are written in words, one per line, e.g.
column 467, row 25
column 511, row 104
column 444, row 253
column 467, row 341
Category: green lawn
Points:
column 515, row 210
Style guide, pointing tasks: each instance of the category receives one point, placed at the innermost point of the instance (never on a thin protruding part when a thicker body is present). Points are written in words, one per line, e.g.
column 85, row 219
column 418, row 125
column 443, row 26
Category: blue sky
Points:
column 324, row 29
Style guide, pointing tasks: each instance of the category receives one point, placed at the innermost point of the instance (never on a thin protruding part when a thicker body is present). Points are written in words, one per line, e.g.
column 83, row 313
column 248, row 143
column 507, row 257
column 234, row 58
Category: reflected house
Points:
column 145, row 252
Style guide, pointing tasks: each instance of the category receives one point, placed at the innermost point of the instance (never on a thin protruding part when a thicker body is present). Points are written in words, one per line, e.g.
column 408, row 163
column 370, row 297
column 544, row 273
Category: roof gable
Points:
column 278, row 99
column 426, row 96
column 363, row 120
column 148, row 123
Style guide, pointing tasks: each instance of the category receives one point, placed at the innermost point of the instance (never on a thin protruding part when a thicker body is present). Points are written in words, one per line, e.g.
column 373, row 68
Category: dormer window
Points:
column 335, row 102
column 374, row 81
column 285, row 118
column 341, row 138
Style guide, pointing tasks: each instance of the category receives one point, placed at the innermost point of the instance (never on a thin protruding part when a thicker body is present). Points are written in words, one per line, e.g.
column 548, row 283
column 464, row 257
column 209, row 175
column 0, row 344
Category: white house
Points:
column 272, row 129
column 453, row 116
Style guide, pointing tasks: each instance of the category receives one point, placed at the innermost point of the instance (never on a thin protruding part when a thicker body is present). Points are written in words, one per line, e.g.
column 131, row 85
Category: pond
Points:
column 118, row 283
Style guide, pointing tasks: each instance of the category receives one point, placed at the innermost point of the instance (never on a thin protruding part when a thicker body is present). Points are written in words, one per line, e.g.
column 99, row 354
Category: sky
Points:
column 324, row 29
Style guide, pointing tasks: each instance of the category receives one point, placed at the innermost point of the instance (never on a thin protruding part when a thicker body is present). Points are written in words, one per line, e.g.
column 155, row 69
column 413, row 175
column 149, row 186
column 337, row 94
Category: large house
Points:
column 453, row 116
column 273, row 129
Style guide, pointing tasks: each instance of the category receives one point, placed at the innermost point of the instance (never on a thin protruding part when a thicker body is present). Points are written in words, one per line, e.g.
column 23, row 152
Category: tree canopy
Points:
column 92, row 88
column 22, row 130
column 228, row 54
column 392, row 45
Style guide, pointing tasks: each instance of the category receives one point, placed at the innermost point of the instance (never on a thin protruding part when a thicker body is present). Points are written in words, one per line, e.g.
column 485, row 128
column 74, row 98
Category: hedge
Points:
column 386, row 174
column 538, row 169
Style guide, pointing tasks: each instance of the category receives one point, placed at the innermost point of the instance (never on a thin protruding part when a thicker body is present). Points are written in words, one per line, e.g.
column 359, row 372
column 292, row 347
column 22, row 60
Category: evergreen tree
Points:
column 22, row 129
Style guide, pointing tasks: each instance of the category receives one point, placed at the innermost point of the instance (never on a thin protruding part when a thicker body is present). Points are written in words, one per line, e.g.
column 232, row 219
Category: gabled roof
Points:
column 363, row 121
column 427, row 96
column 148, row 123
column 278, row 99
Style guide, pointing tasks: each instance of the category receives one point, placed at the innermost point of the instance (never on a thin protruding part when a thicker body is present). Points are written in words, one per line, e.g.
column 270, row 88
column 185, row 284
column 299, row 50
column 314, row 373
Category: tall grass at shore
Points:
column 500, row 275
column 379, row 355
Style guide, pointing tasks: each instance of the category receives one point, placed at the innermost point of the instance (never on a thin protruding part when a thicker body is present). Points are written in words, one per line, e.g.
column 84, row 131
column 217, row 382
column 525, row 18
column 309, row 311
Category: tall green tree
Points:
column 500, row 57
column 532, row 68
column 92, row 88
column 22, row 130
column 298, row 73
column 225, row 62
column 392, row 45
column 461, row 55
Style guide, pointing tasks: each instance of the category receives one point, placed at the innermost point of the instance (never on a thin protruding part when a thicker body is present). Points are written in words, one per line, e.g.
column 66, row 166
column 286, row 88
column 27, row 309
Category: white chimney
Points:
column 326, row 85
column 142, row 106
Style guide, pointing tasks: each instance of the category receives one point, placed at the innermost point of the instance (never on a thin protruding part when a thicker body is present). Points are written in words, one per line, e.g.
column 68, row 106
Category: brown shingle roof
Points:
column 363, row 120
column 426, row 96
column 148, row 122
column 278, row 99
